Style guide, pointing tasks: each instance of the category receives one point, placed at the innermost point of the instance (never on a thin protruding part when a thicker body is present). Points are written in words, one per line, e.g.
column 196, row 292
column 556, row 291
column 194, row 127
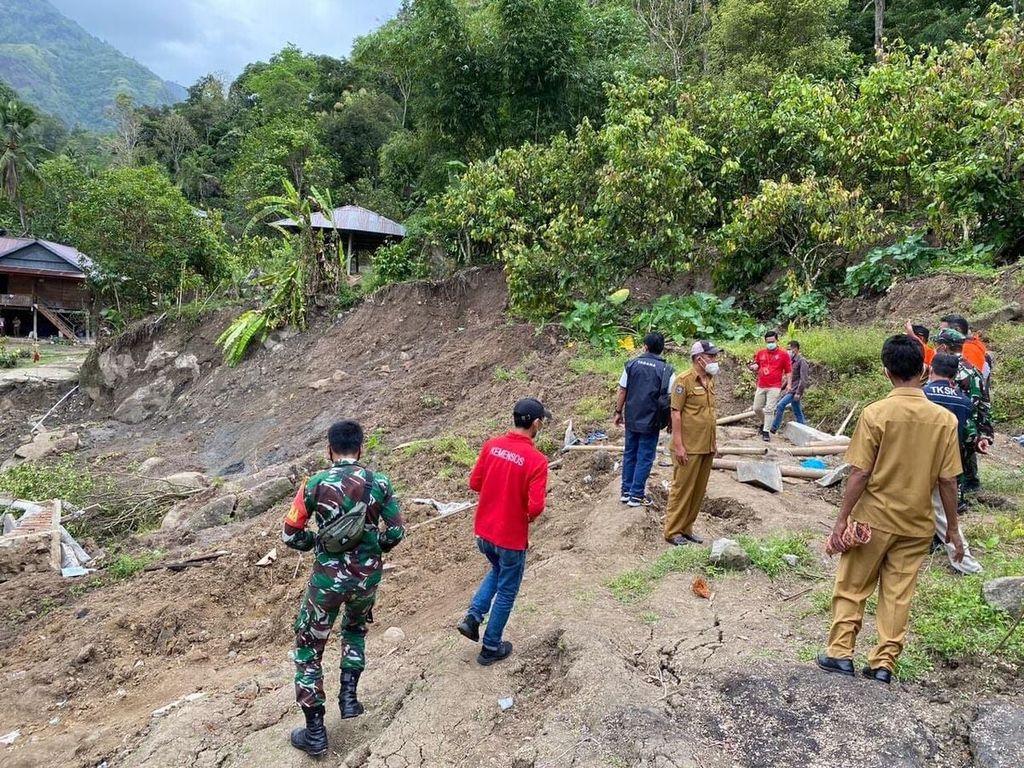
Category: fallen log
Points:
column 846, row 421
column 593, row 448
column 734, row 418
column 809, row 474
column 743, row 450
column 192, row 562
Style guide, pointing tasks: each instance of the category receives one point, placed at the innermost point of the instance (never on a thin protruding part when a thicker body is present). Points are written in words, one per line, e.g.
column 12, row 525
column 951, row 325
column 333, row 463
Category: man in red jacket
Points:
column 511, row 477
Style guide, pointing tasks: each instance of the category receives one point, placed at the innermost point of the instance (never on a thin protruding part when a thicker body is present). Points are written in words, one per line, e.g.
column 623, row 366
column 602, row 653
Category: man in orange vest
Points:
column 975, row 352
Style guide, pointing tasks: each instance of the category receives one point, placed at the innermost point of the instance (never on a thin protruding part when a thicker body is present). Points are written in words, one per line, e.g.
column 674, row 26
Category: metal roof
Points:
column 72, row 256
column 352, row 218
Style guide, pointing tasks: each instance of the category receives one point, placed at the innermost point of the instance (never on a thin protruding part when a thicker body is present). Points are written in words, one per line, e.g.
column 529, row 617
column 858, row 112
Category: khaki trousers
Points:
column 689, row 483
column 765, row 400
column 892, row 563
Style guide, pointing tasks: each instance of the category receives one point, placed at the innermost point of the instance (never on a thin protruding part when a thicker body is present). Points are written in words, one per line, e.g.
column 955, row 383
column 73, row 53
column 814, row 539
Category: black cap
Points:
column 532, row 408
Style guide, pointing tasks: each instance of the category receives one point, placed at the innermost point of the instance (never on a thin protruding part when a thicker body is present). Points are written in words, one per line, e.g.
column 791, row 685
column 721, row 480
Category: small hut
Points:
column 355, row 229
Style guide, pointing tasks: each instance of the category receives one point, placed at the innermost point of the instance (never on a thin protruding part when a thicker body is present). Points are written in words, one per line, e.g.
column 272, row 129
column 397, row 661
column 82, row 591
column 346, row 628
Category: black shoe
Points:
column 693, row 538
column 678, row 540
column 839, row 666
column 347, row 701
column 936, row 545
column 881, row 674
column 313, row 738
column 974, row 487
column 470, row 628
column 488, row 656
column 766, row 436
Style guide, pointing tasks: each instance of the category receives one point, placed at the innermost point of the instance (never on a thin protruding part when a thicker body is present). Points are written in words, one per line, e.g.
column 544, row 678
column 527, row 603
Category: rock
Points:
column 1005, row 594
column 9, row 523
column 357, row 757
column 394, row 635
column 184, row 516
column 192, row 480
column 145, row 401
column 320, row 384
column 46, row 444
column 150, row 464
column 601, row 462
column 729, row 554
column 188, row 362
column 525, row 757
column 997, row 735
column 763, row 474
column 506, row 704
column 114, row 367
column 258, row 500
column 86, row 654
column 791, row 560
column 834, row 477
column 801, row 434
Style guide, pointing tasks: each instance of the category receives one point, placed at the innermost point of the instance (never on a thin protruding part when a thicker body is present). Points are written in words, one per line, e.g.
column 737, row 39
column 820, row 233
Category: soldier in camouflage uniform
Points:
column 979, row 430
column 348, row 579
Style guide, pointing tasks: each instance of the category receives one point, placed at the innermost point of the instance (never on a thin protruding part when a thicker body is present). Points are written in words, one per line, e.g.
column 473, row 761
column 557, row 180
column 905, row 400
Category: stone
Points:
column 791, row 560
column 191, row 480
column 150, row 464
column 47, row 444
column 762, row 474
column 86, row 654
column 729, row 554
column 834, row 477
column 997, row 735
column 801, row 435
column 213, row 513
column 1005, row 594
column 145, row 401
column 262, row 497
column 394, row 635
column 506, row 704
column 9, row 523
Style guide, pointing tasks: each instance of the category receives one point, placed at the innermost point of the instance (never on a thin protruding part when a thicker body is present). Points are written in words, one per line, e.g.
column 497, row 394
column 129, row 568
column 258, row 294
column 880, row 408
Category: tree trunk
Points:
column 879, row 28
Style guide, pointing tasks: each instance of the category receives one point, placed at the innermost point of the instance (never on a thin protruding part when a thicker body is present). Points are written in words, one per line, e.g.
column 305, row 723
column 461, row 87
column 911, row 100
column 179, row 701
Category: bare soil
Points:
column 89, row 668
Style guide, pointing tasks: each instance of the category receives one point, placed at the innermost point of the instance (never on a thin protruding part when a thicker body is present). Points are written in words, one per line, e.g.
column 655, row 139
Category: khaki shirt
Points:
column 907, row 443
column 696, row 405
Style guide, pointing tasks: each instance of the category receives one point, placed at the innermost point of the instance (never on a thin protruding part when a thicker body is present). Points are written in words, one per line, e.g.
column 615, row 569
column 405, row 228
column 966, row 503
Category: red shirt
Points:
column 771, row 364
column 511, row 477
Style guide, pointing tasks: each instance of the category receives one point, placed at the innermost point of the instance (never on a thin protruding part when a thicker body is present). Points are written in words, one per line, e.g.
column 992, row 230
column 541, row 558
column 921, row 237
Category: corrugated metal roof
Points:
column 353, row 218
column 72, row 256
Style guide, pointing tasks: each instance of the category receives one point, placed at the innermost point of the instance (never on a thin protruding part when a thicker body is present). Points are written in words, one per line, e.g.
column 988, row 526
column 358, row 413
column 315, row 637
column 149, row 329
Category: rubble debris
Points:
column 47, row 444
column 835, row 476
column 9, row 738
column 268, row 559
column 701, row 588
column 506, row 704
column 444, row 508
column 803, row 435
column 168, row 708
column 762, row 474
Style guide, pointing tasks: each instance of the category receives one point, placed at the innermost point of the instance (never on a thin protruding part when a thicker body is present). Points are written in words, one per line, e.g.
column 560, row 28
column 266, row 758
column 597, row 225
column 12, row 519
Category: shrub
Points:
column 699, row 315
column 882, row 267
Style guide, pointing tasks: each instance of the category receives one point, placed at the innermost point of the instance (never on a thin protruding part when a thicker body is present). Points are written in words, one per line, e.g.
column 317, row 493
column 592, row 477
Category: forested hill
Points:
column 59, row 67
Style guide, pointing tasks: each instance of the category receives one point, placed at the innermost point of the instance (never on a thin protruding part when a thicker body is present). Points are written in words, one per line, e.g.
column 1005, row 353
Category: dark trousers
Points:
column 497, row 592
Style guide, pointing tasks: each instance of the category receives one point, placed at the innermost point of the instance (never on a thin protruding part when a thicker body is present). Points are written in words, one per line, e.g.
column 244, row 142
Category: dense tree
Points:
column 17, row 153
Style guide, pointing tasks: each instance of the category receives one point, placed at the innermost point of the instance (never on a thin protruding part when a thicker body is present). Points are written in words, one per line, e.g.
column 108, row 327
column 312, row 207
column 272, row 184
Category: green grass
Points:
column 510, row 374
column 766, row 553
column 1007, row 343
column 126, row 566
column 986, row 303
column 452, row 448
column 844, row 350
column 649, row 618
column 638, row 583
column 1003, row 480
column 593, row 408
column 590, row 361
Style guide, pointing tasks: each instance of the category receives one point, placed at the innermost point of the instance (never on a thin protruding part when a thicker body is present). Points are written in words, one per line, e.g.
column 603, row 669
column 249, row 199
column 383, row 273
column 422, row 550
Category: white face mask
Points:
column 712, row 369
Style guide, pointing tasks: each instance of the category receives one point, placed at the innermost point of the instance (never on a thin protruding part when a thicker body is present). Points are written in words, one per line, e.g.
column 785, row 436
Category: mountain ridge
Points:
column 60, row 67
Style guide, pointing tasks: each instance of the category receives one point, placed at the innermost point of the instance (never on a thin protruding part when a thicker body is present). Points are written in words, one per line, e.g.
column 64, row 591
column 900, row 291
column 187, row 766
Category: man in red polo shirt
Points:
column 773, row 367
column 511, row 476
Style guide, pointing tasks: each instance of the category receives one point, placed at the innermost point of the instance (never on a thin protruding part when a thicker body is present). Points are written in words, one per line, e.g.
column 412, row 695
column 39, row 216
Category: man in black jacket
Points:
column 643, row 385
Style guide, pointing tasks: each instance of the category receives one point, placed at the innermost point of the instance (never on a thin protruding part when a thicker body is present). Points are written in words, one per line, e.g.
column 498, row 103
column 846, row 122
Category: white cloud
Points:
column 183, row 40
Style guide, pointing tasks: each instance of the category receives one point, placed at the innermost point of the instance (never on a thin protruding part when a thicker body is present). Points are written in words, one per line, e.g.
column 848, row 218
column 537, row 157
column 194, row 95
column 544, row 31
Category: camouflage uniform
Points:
column 348, row 579
column 971, row 383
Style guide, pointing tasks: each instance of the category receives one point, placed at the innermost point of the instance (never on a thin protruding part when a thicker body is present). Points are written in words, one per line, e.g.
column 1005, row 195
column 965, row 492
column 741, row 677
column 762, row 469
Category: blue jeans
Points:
column 497, row 592
column 637, row 460
column 798, row 410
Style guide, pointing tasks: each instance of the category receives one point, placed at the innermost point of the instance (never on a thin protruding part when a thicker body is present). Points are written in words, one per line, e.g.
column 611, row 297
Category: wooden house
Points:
column 43, row 289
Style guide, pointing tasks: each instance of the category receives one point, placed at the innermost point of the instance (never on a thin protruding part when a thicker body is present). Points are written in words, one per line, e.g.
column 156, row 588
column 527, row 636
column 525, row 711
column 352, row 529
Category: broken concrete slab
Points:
column 801, row 435
column 835, row 476
column 763, row 474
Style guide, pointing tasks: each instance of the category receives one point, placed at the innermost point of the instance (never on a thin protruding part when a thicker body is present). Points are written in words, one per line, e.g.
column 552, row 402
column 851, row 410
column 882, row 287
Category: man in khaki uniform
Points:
column 693, row 442
column 902, row 448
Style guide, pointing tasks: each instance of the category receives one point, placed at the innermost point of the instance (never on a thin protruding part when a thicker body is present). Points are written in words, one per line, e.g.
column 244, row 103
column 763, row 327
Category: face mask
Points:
column 712, row 369
column 772, row 345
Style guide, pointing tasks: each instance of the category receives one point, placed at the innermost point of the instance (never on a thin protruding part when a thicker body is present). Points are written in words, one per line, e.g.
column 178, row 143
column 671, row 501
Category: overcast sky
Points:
column 182, row 40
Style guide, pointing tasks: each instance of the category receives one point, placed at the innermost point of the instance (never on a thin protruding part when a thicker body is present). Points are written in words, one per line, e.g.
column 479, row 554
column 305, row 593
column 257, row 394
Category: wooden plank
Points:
column 735, row 417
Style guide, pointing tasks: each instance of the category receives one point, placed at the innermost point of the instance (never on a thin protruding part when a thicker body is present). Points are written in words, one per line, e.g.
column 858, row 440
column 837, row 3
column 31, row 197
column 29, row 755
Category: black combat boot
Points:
column 313, row 738
column 347, row 701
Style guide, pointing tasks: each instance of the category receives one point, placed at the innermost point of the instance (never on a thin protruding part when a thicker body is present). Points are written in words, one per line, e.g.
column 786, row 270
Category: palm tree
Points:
column 16, row 151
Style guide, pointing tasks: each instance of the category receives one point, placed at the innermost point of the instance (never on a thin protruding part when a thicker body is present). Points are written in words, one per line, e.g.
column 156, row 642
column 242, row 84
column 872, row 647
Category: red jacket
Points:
column 511, row 477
